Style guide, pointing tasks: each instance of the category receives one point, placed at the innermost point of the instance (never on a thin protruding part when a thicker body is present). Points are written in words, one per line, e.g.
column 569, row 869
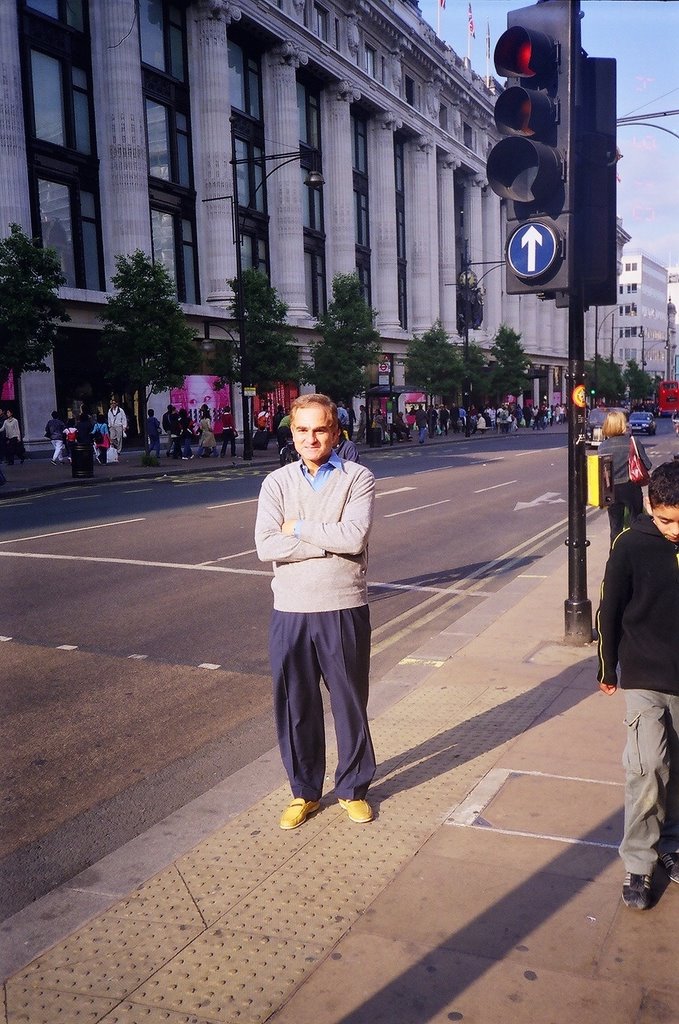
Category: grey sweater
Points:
column 324, row 569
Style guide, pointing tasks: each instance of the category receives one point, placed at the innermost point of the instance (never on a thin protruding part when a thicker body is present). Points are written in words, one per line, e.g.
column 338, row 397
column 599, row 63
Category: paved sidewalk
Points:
column 487, row 888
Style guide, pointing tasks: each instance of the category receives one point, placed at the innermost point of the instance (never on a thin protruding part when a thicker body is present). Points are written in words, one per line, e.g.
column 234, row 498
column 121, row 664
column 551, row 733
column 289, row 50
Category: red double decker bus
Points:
column 668, row 397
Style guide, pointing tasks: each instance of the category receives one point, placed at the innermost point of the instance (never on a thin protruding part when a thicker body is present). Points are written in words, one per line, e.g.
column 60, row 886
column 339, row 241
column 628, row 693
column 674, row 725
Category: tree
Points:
column 349, row 342
column 146, row 344
column 30, row 307
column 270, row 354
column 433, row 364
column 605, row 379
column 509, row 373
column 639, row 382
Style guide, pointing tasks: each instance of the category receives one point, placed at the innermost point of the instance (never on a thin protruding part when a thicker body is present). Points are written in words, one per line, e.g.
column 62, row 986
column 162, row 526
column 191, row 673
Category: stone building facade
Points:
column 116, row 124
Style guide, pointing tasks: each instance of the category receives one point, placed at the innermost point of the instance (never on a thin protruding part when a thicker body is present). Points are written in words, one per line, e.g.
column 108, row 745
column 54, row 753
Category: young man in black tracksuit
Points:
column 638, row 625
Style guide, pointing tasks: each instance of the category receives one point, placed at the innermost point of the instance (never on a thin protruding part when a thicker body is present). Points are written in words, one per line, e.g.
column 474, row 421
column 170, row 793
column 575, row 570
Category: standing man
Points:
column 117, row 425
column 54, row 430
column 638, row 622
column 313, row 522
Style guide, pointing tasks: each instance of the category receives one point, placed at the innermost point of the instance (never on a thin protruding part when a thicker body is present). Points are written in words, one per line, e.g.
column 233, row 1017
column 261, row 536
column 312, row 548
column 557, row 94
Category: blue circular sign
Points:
column 532, row 250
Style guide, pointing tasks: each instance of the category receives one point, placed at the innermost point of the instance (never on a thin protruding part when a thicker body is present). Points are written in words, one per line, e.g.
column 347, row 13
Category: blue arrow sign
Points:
column 532, row 250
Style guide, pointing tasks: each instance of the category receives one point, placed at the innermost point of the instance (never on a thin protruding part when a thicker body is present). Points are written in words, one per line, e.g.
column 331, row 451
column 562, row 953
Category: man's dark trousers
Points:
column 304, row 646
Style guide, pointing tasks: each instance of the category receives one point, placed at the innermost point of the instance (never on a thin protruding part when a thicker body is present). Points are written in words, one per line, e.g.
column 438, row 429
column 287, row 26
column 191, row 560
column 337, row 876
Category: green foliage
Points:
column 606, row 379
column 270, row 355
column 149, row 460
column 349, row 342
column 30, row 307
column 146, row 343
column 433, row 364
column 639, row 382
column 509, row 373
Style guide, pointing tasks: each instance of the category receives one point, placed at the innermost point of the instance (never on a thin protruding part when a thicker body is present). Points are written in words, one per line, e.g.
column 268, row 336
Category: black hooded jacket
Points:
column 638, row 617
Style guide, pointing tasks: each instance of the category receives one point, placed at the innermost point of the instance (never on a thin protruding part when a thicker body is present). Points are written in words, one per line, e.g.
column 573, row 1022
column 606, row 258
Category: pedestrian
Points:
column 187, row 434
column 361, row 424
column 637, row 622
column 229, row 434
column 343, row 417
column 481, row 424
column 3, row 439
column 313, row 522
column 444, row 418
column 421, row 424
column 12, row 434
column 208, row 442
column 166, row 423
column 175, row 434
column 117, row 425
column 675, row 421
column 627, row 496
column 432, row 420
column 54, row 430
column 70, row 436
column 102, row 440
column 153, row 433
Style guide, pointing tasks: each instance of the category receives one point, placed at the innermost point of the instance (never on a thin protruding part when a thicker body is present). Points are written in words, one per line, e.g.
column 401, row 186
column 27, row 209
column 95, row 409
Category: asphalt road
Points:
column 136, row 675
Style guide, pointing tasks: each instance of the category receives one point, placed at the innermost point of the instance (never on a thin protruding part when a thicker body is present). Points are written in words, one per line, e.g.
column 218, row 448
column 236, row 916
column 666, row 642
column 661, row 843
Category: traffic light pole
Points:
column 578, row 608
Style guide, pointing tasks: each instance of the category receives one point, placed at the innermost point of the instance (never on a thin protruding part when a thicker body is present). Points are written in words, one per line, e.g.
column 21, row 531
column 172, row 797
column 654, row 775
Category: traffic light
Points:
column 596, row 157
column 531, row 167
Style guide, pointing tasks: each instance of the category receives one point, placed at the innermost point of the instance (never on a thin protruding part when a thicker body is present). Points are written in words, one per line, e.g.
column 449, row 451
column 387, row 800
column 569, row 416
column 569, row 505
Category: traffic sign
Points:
column 532, row 250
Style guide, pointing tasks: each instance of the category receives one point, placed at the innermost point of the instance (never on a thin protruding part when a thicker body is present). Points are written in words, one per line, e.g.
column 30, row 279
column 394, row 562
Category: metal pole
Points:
column 578, row 609
column 240, row 299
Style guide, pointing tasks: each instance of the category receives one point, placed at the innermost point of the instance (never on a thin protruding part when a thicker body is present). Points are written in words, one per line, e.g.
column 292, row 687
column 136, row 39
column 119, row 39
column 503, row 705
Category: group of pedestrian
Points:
column 105, row 432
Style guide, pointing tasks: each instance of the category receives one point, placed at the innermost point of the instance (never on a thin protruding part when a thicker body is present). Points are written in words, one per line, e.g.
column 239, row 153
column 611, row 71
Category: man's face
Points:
column 666, row 518
column 313, row 435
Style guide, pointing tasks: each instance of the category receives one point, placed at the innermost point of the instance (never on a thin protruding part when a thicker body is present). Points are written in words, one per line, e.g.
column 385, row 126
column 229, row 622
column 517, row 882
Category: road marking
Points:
column 67, row 647
column 138, row 490
column 424, row 589
column 136, row 562
column 82, row 497
column 495, row 487
column 137, row 657
column 78, row 529
column 4, row 639
column 418, row 508
column 208, row 664
column 231, row 504
column 537, row 451
column 549, row 498
column 397, row 490
column 225, row 558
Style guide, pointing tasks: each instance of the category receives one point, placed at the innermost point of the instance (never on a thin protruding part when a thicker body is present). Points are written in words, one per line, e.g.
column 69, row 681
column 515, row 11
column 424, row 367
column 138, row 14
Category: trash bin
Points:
column 374, row 437
column 82, row 460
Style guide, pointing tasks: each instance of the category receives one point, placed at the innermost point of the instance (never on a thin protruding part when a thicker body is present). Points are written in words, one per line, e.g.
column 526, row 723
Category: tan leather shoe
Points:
column 298, row 812
column 359, row 811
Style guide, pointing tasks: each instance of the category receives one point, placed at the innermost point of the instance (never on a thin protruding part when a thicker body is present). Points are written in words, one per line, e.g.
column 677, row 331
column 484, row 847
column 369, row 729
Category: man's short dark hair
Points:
column 664, row 486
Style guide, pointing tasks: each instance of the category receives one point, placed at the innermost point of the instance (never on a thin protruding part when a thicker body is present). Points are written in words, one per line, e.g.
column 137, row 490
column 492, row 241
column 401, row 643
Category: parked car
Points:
column 642, row 423
column 595, row 422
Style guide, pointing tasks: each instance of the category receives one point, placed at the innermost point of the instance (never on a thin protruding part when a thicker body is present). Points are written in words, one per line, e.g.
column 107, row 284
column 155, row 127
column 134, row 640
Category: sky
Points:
column 643, row 36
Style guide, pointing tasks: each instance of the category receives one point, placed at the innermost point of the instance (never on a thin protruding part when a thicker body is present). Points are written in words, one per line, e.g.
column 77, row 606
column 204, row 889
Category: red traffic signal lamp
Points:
column 530, row 167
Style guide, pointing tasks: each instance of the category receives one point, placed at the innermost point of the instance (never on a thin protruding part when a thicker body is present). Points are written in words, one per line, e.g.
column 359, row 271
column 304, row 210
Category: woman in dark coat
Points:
column 626, row 495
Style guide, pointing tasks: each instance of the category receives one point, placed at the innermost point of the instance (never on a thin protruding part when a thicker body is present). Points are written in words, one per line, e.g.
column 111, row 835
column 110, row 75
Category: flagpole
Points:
column 438, row 18
column 488, row 54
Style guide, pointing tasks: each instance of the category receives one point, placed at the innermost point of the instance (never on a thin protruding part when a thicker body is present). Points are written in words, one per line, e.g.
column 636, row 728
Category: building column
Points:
column 492, row 253
column 338, row 193
column 447, row 261
column 383, row 220
column 212, row 149
column 421, row 214
column 14, row 205
column 121, row 132
column 473, row 221
column 284, row 187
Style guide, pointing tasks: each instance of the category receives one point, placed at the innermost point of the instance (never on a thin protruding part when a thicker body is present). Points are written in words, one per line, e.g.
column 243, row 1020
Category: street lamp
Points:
column 596, row 349
column 314, row 179
column 468, row 283
column 642, row 335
